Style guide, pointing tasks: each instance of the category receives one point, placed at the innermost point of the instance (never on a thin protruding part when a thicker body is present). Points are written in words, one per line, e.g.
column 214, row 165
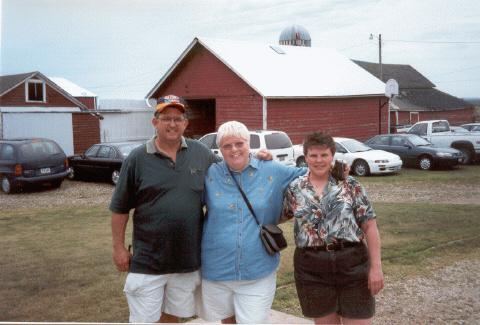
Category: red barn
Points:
column 294, row 89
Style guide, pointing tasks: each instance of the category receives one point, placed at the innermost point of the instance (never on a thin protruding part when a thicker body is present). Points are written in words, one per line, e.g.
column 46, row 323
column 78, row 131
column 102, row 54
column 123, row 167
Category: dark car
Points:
column 31, row 161
column 102, row 160
column 473, row 127
column 416, row 151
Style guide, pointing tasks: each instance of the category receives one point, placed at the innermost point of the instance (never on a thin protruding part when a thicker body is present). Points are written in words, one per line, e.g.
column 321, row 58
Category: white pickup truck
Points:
column 438, row 132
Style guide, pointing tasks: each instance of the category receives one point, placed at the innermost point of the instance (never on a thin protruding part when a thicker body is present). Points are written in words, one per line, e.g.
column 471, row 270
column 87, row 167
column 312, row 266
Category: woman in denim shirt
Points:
column 239, row 276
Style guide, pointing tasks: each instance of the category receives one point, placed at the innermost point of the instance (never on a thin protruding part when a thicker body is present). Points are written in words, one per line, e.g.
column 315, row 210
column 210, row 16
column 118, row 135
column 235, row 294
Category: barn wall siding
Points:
column 454, row 117
column 86, row 131
column 348, row 117
column 89, row 102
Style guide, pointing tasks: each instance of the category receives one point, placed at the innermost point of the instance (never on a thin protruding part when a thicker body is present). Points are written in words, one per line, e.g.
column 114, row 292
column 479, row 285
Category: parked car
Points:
column 364, row 160
column 458, row 129
column 277, row 142
column 439, row 133
column 102, row 160
column 416, row 151
column 361, row 159
column 472, row 126
column 31, row 161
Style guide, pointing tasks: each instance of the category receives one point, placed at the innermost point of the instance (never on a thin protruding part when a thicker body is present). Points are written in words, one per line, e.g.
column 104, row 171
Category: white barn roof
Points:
column 297, row 72
column 72, row 88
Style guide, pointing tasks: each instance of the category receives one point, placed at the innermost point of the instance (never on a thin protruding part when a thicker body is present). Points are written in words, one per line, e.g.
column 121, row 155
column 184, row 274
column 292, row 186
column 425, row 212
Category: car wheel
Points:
column 71, row 173
column 467, row 155
column 301, row 162
column 360, row 168
column 115, row 176
column 425, row 163
column 7, row 186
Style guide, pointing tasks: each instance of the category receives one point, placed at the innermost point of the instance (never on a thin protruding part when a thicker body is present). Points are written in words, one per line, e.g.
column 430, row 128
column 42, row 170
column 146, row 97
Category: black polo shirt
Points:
column 167, row 197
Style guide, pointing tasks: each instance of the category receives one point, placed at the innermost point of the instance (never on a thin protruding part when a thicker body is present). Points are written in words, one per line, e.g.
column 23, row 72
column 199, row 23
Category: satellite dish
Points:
column 391, row 88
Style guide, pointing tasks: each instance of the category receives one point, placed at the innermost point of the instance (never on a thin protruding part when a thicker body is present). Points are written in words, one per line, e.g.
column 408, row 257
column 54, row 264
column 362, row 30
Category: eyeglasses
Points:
column 229, row 146
column 168, row 120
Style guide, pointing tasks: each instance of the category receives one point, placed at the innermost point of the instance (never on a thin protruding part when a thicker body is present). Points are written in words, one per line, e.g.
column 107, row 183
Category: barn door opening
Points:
column 201, row 117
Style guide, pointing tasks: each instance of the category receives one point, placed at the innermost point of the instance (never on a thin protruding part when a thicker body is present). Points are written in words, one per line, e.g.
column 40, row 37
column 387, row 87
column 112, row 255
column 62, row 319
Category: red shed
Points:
column 33, row 105
column 294, row 89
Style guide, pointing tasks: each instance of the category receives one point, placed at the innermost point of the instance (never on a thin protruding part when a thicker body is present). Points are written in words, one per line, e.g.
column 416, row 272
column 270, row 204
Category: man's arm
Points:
column 121, row 256
column 375, row 274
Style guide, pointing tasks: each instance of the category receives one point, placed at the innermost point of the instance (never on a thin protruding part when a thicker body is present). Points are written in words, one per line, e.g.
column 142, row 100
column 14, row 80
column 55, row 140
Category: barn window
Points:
column 35, row 91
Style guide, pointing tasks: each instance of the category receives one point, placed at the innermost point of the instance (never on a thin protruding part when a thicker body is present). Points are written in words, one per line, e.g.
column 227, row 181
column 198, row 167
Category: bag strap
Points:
column 244, row 197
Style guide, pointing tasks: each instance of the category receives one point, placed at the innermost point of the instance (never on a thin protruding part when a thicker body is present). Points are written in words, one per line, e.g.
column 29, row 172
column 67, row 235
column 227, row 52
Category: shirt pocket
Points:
column 196, row 177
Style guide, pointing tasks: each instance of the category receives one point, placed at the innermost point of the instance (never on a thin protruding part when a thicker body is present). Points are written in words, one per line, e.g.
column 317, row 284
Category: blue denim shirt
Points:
column 231, row 245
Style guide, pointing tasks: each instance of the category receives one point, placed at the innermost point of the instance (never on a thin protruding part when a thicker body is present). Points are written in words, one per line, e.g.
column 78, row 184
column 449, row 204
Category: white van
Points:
column 277, row 142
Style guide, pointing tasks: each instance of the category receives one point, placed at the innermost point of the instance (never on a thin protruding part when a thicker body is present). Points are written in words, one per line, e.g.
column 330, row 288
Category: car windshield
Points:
column 355, row 146
column 39, row 149
column 125, row 149
column 277, row 141
column 418, row 141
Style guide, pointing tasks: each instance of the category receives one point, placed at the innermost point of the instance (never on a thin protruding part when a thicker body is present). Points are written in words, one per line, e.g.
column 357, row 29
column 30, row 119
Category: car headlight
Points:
column 444, row 154
column 381, row 161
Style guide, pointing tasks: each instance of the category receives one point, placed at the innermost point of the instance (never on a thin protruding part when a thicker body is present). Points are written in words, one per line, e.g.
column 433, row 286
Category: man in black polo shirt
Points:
column 163, row 182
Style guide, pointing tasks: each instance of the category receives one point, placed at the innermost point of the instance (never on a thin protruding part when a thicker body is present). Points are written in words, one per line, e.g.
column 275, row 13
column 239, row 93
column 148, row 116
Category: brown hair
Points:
column 318, row 139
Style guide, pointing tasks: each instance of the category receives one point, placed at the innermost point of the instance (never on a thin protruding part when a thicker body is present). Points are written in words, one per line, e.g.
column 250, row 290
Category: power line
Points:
column 465, row 80
column 432, row 42
column 457, row 70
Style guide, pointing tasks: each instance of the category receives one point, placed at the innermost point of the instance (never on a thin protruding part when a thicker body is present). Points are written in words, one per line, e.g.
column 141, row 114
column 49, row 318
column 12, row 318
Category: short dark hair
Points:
column 318, row 139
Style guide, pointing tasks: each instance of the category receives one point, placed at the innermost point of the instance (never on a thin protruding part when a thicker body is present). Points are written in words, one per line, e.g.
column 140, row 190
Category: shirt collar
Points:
column 253, row 162
column 331, row 180
column 152, row 148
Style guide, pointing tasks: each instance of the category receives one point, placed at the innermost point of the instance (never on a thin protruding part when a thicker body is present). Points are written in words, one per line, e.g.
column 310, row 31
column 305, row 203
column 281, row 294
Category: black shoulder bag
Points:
column 271, row 235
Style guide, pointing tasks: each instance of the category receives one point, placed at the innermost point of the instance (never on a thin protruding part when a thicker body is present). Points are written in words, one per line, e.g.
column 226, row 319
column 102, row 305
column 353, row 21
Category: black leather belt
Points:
column 334, row 246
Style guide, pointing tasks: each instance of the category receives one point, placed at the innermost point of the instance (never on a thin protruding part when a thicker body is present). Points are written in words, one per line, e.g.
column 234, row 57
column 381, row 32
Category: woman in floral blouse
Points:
column 336, row 274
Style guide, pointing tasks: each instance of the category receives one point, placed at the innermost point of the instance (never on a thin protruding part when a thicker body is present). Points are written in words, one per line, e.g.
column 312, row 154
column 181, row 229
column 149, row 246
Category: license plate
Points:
column 44, row 170
column 281, row 158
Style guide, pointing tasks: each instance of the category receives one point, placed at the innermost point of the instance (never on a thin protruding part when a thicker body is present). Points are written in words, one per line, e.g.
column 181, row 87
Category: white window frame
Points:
column 44, row 88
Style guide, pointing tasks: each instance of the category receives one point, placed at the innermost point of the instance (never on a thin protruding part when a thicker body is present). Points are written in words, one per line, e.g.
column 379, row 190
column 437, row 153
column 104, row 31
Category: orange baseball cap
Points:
column 170, row 101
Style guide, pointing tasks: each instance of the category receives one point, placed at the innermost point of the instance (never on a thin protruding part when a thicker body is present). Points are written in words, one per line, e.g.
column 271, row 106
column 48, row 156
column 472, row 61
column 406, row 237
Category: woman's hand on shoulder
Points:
column 264, row 154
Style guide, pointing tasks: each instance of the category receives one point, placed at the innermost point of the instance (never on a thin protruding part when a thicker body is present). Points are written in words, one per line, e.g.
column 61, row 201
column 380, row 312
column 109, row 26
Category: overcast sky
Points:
column 121, row 48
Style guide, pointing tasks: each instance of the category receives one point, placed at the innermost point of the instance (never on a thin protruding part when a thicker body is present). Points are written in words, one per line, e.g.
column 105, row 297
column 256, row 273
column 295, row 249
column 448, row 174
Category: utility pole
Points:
column 380, row 55
column 379, row 37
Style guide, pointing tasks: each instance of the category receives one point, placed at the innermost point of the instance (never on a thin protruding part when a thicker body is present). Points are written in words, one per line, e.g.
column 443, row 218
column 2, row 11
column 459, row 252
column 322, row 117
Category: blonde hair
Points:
column 232, row 128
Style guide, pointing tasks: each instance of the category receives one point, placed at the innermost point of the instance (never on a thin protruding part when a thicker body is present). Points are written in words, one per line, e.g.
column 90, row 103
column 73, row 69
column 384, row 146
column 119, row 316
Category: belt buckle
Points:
column 330, row 247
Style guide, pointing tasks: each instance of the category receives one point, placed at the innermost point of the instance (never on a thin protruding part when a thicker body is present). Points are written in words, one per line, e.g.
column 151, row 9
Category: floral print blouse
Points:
column 336, row 216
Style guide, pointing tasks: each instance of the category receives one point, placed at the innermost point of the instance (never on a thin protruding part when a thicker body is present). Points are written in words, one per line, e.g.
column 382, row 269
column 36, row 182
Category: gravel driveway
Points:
column 450, row 295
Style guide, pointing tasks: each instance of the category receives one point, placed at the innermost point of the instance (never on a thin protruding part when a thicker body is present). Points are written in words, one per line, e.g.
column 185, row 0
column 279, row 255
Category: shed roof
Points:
column 8, row 82
column 72, row 88
column 404, row 74
column 298, row 72
column 416, row 91
column 429, row 99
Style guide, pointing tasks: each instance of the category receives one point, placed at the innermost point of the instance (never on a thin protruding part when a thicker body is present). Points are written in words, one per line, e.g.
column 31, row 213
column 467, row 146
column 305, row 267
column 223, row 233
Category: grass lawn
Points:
column 464, row 174
column 55, row 263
